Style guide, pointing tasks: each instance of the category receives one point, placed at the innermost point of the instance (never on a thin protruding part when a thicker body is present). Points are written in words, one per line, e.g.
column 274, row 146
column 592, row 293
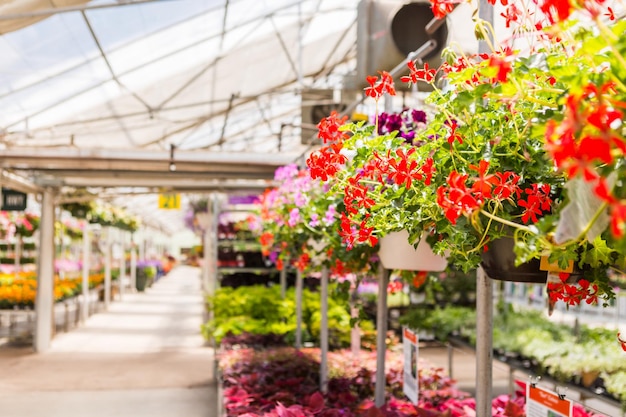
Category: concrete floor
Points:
column 143, row 357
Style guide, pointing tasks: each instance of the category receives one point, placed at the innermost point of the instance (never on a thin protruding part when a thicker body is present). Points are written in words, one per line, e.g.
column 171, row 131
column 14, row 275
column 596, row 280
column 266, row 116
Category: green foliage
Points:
column 261, row 310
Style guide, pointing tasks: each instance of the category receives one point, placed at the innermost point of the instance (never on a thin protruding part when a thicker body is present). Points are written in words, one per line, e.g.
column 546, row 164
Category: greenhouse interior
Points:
column 312, row 208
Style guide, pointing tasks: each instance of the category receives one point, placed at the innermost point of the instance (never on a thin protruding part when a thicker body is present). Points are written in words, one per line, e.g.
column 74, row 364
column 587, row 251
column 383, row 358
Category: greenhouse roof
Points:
column 107, row 93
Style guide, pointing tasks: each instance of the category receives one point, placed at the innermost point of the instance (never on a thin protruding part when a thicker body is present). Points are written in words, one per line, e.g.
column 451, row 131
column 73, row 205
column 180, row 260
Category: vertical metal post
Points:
column 45, row 275
column 142, row 245
column 324, row 331
column 107, row 269
column 484, row 342
column 213, row 281
column 298, row 309
column 381, row 335
column 84, row 306
column 206, row 256
column 450, row 360
column 133, row 268
column 355, row 332
column 18, row 255
column 283, row 282
column 122, row 277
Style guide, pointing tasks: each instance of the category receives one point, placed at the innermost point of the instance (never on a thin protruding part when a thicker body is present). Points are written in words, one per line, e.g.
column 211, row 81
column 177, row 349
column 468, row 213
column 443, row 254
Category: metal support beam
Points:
column 324, row 331
column 283, row 282
column 84, row 306
column 484, row 343
column 45, row 274
column 215, row 211
column 381, row 336
column 107, row 269
column 133, row 268
column 207, row 258
column 298, row 309
column 122, row 278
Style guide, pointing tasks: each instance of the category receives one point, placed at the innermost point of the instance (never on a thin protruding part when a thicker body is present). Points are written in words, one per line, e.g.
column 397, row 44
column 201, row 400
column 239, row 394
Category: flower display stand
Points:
column 397, row 253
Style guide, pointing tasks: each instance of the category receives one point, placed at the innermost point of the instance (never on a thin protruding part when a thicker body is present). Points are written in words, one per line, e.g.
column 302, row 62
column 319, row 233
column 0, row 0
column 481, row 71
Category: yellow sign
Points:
column 170, row 201
column 546, row 265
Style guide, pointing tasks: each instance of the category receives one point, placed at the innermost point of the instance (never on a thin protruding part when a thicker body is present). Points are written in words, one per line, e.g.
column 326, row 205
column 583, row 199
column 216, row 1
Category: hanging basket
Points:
column 499, row 263
column 397, row 253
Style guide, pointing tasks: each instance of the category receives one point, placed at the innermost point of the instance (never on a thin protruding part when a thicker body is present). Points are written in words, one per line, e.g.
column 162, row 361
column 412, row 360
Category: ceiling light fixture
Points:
column 172, row 164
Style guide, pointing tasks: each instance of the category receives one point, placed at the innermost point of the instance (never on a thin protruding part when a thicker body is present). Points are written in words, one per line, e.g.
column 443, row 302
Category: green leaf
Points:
column 599, row 254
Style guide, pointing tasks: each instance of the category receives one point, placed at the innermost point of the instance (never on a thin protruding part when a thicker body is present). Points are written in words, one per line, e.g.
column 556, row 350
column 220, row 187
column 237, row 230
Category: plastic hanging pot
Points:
column 397, row 253
column 499, row 263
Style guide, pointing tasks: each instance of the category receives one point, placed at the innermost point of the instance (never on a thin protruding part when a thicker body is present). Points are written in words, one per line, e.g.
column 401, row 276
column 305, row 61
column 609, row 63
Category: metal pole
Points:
column 122, row 277
column 142, row 246
column 355, row 332
column 133, row 268
column 298, row 309
column 213, row 281
column 381, row 335
column 18, row 255
column 484, row 342
column 107, row 269
column 283, row 282
column 206, row 256
column 484, row 290
column 45, row 274
column 324, row 331
column 84, row 306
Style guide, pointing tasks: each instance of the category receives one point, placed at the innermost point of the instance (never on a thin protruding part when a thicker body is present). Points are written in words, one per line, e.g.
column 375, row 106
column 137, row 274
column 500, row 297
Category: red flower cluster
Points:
column 572, row 294
column 590, row 136
column 378, row 88
column 326, row 162
column 458, row 198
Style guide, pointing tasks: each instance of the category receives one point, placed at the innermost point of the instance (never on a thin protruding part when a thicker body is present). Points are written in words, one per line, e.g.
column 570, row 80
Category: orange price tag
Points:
column 554, row 266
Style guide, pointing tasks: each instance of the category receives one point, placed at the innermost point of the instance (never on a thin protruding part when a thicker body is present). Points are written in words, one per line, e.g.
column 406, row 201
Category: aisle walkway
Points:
column 143, row 357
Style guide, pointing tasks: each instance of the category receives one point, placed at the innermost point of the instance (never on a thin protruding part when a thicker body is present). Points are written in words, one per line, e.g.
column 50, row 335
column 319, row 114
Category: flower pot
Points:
column 587, row 378
column 397, row 253
column 499, row 263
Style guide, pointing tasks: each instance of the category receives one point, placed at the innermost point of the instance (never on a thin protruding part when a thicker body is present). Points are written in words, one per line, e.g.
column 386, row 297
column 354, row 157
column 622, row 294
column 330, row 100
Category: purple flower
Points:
column 315, row 220
column 329, row 217
column 294, row 217
column 299, row 199
column 286, row 172
column 419, row 116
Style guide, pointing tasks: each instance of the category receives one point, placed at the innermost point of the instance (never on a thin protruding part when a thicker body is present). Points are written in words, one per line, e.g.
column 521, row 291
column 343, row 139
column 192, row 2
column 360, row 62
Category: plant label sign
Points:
column 13, row 200
column 544, row 403
column 169, row 201
column 409, row 345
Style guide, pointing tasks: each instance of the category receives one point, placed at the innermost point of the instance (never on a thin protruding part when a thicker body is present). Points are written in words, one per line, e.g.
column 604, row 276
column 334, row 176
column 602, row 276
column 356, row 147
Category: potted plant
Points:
column 522, row 147
column 301, row 225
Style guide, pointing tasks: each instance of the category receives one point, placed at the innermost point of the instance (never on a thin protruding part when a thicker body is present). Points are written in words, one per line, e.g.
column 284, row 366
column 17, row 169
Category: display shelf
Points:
column 242, row 245
column 524, row 366
column 236, row 270
column 27, row 250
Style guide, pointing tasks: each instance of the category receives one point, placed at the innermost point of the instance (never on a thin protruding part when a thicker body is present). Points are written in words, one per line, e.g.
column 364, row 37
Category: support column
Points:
column 142, row 245
column 215, row 220
column 484, row 342
column 107, row 268
column 283, row 282
column 84, row 305
column 44, row 302
column 324, row 331
column 298, row 309
column 122, row 263
column 381, row 336
column 133, row 268
column 18, row 255
column 207, row 261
